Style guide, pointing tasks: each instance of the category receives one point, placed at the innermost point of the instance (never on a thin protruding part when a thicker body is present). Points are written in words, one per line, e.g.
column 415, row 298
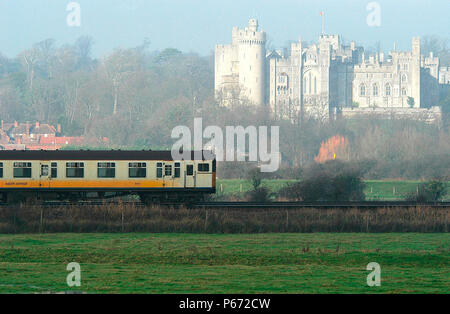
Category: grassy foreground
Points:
column 260, row 263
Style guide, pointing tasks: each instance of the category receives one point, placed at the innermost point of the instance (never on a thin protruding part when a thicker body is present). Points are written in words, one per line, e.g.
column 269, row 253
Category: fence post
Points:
column 41, row 221
column 122, row 221
column 446, row 222
column 367, row 223
column 206, row 220
column 240, row 188
column 287, row 220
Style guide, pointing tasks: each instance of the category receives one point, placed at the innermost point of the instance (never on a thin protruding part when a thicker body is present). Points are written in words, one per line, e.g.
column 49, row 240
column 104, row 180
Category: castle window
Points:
column 375, row 89
column 403, row 91
column 388, row 90
column 362, row 90
column 405, row 67
column 309, row 83
column 404, row 78
column 315, row 85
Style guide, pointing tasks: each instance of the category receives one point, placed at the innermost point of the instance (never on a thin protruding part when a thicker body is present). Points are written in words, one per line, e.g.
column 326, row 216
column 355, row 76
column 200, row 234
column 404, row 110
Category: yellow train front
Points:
column 79, row 175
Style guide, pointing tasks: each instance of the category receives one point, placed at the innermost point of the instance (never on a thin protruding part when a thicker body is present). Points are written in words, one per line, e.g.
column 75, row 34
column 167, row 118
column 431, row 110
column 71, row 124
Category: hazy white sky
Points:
column 197, row 25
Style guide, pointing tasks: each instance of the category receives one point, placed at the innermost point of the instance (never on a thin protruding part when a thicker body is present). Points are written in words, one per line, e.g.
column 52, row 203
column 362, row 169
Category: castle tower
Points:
column 324, row 74
column 240, row 67
column 415, row 71
column 251, row 45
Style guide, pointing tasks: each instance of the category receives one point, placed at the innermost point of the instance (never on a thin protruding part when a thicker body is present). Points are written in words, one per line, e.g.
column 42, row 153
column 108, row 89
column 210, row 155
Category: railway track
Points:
column 250, row 205
column 256, row 205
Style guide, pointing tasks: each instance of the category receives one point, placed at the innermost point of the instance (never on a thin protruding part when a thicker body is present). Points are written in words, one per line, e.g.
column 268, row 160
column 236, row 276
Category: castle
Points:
column 328, row 79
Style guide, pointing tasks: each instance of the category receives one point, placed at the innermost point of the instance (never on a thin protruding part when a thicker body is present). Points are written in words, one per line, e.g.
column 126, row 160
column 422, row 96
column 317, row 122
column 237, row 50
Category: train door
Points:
column 44, row 175
column 160, row 172
column 168, row 175
column 189, row 175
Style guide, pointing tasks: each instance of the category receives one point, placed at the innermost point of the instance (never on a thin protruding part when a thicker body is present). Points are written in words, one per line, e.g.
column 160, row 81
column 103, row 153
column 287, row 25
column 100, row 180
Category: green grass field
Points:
column 189, row 263
column 375, row 189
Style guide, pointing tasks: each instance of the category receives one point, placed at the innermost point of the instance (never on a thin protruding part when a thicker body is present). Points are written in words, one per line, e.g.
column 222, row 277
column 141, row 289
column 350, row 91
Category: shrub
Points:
column 432, row 191
column 260, row 194
column 331, row 181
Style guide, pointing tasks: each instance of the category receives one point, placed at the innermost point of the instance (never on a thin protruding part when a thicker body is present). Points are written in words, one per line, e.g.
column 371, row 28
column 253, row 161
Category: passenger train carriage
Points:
column 73, row 175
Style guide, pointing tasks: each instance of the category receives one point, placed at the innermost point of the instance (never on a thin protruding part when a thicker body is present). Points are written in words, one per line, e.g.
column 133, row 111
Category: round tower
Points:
column 252, row 55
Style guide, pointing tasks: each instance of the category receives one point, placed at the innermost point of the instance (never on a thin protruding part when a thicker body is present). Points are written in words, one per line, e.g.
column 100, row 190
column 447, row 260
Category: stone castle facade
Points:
column 326, row 79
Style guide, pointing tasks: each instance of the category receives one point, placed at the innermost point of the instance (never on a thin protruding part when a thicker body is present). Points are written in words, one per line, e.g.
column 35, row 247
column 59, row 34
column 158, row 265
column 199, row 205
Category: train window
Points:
column 168, row 170
column 106, row 170
column 1, row 170
column 203, row 167
column 22, row 170
column 44, row 170
column 54, row 170
column 177, row 170
column 75, row 169
column 159, row 172
column 214, row 165
column 137, row 170
column 190, row 170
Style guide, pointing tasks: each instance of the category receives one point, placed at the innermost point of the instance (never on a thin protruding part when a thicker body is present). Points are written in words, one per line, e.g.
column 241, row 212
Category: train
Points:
column 74, row 175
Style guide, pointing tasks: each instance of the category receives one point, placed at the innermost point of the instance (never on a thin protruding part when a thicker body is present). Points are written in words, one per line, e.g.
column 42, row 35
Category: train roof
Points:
column 110, row 155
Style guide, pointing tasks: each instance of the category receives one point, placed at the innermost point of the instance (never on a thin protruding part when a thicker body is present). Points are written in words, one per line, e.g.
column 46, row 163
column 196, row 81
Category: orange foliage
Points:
column 335, row 147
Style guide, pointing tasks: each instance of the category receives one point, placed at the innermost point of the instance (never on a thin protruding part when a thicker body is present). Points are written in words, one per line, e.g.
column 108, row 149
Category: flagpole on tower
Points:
column 323, row 22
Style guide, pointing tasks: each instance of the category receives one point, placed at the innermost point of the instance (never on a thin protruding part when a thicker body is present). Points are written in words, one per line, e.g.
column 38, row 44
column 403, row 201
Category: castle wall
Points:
column 431, row 115
column 389, row 83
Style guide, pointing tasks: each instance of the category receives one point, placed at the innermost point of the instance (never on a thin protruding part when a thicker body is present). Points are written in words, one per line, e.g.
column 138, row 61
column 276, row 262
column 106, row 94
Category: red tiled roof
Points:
column 64, row 140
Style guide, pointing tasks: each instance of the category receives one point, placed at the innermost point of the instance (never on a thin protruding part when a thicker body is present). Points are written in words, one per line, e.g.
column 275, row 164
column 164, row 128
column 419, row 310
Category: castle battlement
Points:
column 249, row 35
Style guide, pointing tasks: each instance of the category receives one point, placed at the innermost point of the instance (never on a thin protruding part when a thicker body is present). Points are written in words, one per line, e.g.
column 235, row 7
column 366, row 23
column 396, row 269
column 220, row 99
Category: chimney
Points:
column 16, row 124
column 37, row 124
column 58, row 128
column 28, row 129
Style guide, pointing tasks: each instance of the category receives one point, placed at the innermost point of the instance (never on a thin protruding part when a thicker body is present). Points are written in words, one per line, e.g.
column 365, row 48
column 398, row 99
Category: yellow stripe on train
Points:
column 60, row 184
